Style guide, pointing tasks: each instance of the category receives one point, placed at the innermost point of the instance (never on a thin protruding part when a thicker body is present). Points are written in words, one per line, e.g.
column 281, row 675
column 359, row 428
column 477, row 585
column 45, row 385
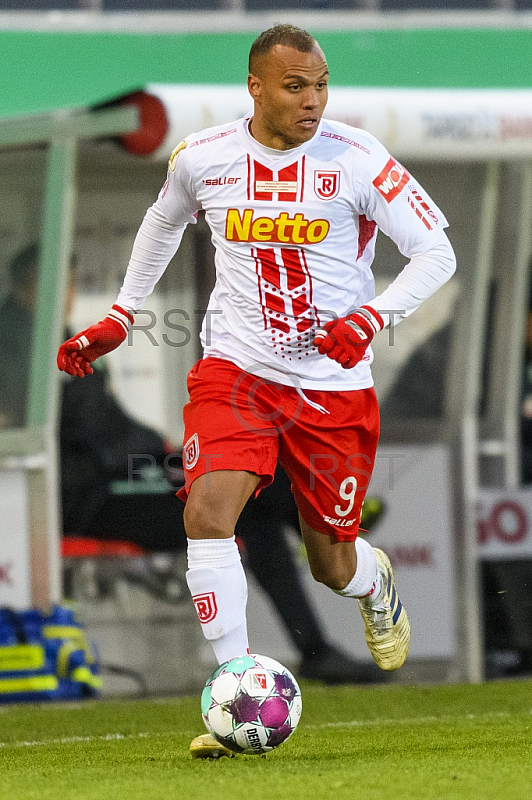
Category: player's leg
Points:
column 215, row 501
column 215, row 574
column 349, row 569
column 230, row 452
column 371, row 583
column 330, row 461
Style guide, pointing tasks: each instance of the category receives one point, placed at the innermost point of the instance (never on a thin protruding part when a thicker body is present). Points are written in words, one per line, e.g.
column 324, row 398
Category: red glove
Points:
column 346, row 339
column 76, row 354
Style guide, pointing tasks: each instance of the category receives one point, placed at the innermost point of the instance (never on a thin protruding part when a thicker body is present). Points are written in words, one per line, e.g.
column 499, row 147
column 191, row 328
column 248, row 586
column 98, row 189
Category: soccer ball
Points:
column 251, row 704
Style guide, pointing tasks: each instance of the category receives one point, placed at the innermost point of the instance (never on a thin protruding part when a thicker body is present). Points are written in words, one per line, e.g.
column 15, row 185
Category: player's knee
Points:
column 201, row 522
column 335, row 577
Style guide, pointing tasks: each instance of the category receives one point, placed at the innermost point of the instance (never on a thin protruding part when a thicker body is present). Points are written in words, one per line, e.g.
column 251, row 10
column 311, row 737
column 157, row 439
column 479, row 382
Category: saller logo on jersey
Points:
column 391, row 180
column 298, row 229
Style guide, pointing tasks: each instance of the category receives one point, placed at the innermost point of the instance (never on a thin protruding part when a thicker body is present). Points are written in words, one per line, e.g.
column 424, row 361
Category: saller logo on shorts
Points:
column 298, row 229
column 205, row 606
column 391, row 180
column 340, row 523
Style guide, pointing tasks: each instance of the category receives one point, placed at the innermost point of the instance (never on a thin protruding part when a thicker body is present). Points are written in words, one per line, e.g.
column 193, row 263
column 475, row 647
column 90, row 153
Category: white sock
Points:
column 218, row 586
column 366, row 581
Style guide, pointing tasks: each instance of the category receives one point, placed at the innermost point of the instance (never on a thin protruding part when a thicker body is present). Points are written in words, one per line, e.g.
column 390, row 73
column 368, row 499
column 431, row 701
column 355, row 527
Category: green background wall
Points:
column 41, row 71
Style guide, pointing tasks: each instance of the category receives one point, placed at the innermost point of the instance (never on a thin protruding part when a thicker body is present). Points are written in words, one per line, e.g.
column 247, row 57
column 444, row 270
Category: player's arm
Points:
column 155, row 244
column 403, row 211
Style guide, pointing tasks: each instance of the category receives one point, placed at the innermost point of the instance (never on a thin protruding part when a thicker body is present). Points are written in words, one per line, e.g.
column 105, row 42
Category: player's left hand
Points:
column 346, row 339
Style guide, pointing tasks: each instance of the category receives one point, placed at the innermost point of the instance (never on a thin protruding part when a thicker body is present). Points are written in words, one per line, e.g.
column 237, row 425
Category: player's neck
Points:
column 267, row 139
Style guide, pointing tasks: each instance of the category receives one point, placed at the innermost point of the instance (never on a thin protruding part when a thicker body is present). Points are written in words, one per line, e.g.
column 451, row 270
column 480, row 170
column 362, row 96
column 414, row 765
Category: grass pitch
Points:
column 447, row 742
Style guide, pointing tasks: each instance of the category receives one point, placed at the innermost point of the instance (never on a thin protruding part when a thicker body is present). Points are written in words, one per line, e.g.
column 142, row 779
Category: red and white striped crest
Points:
column 191, row 452
column 205, row 606
column 326, row 183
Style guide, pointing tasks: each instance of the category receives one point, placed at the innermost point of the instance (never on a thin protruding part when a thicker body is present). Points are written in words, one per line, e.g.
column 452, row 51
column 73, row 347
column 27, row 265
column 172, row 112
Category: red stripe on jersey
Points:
column 310, row 287
column 423, row 219
column 302, row 178
column 288, row 174
column 262, row 173
column 269, row 269
column 249, row 177
column 295, row 275
column 280, row 325
column 275, row 302
column 298, row 277
column 304, row 324
column 366, row 229
column 255, row 255
column 300, row 307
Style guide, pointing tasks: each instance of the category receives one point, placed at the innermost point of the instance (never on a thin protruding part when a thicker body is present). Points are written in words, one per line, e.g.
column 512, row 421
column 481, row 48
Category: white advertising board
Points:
column 472, row 124
column 14, row 540
column 505, row 524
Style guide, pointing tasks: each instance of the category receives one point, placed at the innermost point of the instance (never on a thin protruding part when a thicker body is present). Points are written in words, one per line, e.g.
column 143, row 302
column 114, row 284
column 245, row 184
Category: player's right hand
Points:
column 76, row 354
column 346, row 339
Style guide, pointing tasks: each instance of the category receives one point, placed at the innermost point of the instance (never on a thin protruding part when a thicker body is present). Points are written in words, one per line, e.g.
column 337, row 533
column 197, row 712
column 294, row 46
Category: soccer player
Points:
column 293, row 202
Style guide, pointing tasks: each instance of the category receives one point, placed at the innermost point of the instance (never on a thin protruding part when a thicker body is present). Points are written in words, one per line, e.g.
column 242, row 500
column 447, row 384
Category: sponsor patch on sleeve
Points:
column 173, row 158
column 391, row 180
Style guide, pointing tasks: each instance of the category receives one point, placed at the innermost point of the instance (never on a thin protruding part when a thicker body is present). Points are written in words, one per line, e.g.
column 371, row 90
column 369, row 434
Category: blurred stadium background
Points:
column 94, row 95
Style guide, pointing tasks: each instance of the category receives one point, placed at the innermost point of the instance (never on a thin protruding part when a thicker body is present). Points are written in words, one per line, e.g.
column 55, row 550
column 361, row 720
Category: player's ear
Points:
column 254, row 86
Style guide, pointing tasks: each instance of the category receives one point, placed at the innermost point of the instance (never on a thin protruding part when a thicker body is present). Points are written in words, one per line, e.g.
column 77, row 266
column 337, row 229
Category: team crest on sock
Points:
column 206, row 606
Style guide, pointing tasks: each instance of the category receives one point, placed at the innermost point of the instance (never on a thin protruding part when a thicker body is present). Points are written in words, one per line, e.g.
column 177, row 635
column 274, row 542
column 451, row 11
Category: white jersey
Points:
column 294, row 233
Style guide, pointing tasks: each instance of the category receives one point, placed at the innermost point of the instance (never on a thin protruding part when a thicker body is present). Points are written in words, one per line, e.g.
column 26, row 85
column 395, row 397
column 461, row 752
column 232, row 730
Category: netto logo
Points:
column 284, row 229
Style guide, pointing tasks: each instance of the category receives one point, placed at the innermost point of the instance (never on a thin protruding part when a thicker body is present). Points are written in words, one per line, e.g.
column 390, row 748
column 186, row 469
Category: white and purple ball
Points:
column 251, row 704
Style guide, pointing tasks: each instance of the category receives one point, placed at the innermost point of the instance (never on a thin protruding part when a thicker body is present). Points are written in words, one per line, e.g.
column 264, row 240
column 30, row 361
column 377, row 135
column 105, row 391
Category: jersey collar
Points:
column 257, row 149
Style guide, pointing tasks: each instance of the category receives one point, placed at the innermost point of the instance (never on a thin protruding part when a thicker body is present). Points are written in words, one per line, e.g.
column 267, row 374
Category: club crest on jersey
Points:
column 191, row 452
column 173, row 158
column 326, row 183
column 206, row 607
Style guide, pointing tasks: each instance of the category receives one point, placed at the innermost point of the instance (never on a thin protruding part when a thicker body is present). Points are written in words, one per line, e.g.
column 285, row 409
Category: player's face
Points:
column 289, row 91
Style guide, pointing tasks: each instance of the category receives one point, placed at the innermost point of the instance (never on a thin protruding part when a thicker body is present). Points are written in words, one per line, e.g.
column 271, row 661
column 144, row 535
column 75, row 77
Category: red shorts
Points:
column 235, row 420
